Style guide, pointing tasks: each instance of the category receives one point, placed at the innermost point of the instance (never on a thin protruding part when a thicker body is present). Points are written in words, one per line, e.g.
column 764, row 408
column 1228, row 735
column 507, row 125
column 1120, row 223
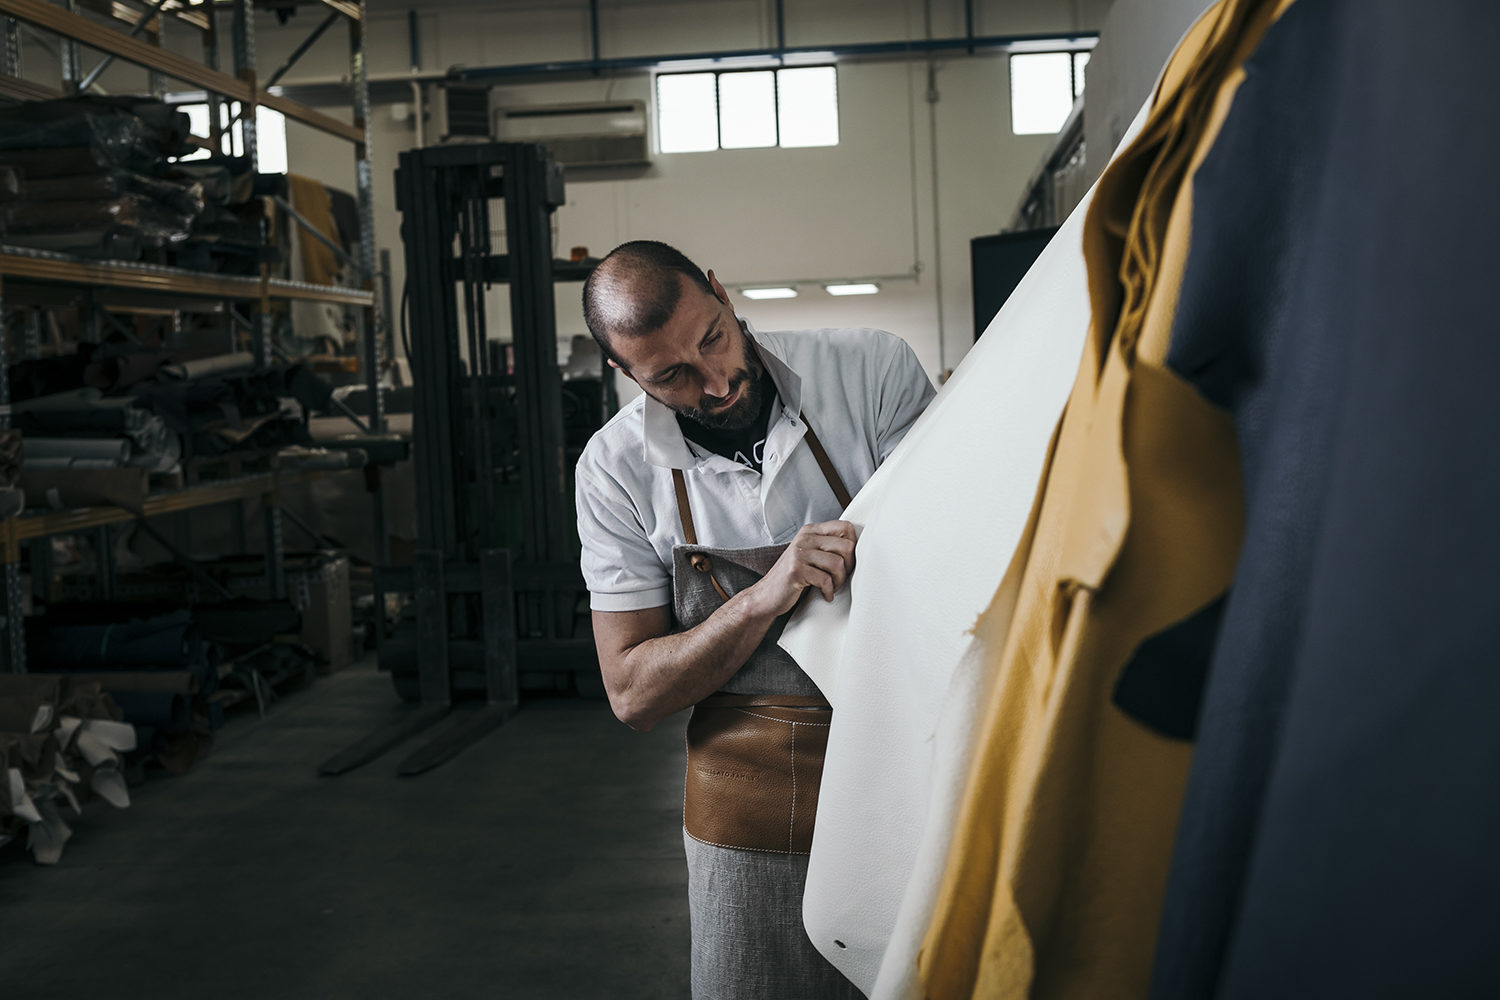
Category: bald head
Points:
column 635, row 290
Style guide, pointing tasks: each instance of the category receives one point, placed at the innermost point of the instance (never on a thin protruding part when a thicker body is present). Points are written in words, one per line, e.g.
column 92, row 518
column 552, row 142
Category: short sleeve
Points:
column 620, row 566
column 903, row 393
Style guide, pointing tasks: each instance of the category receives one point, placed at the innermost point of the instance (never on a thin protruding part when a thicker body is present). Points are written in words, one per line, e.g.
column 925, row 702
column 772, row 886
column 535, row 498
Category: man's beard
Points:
column 743, row 413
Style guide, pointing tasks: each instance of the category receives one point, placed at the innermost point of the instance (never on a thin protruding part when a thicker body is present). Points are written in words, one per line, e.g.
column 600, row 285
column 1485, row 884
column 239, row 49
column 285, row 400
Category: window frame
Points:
column 1075, row 91
column 230, row 116
column 1073, row 73
column 775, row 72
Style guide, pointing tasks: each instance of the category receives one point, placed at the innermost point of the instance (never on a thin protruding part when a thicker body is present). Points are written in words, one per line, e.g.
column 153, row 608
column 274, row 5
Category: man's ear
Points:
column 616, row 366
column 722, row 295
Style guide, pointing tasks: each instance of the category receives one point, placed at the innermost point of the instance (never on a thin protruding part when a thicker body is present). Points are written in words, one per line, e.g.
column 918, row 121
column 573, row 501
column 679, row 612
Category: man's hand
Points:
column 651, row 672
column 820, row 557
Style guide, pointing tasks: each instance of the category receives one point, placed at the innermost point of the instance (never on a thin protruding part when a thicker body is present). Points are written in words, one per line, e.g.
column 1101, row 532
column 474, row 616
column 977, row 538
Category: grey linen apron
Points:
column 746, row 906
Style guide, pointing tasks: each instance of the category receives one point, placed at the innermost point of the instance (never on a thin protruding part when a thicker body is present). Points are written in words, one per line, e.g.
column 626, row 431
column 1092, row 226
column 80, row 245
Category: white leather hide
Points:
column 939, row 525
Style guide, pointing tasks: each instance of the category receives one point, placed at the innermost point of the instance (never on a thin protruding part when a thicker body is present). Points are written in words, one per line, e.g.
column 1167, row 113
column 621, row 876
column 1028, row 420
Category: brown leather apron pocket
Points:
column 753, row 773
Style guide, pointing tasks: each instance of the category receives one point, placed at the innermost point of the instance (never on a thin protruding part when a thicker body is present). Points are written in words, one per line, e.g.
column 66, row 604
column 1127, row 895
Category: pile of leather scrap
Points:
column 226, row 237
column 110, row 407
column 61, row 741
column 89, row 175
column 225, row 404
column 83, row 429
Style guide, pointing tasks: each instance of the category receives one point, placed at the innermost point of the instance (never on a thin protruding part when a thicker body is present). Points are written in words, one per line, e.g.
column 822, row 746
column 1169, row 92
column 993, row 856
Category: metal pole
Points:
column 31, row 342
column 185, row 560
column 424, row 199
column 215, row 102
column 323, row 540
column 242, row 28
column 901, row 50
column 364, row 182
column 156, row 83
column 104, row 562
column 531, row 191
column 107, row 61
column 301, row 50
column 318, row 234
column 275, row 554
column 387, row 311
column 594, row 29
column 373, row 321
column 12, row 52
column 15, row 621
column 68, row 53
column 413, row 39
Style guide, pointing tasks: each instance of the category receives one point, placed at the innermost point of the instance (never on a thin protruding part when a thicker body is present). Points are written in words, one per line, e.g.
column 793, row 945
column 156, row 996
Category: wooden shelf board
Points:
column 63, row 269
column 63, row 522
column 25, row 527
column 25, row 90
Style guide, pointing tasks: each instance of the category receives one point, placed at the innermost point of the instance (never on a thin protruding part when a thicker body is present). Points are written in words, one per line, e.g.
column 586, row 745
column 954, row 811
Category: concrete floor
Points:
column 546, row 861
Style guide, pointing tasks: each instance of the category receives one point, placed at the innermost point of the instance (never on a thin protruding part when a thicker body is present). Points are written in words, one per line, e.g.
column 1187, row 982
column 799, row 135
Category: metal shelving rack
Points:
column 21, row 268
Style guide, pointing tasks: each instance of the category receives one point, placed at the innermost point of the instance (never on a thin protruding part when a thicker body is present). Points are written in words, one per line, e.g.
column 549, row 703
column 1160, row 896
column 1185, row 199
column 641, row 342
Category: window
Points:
column 270, row 135
column 1043, row 87
column 747, row 109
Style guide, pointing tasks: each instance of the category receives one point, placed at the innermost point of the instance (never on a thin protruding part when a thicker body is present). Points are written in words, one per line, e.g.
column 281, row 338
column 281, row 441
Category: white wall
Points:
column 863, row 208
column 1137, row 38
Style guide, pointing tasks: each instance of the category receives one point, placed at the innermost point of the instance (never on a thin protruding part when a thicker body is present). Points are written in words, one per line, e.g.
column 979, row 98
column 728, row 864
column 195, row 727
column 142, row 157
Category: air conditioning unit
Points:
column 606, row 134
column 463, row 113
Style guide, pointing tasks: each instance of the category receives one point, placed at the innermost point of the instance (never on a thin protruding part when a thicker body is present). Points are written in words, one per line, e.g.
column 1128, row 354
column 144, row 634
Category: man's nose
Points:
column 716, row 384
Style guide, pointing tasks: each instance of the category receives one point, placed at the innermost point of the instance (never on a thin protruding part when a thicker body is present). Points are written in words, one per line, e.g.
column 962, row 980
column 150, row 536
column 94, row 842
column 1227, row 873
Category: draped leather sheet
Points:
column 939, row 524
column 1338, row 838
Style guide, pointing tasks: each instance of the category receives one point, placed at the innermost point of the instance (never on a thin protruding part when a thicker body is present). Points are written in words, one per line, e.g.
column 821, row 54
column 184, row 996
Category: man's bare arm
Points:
column 650, row 674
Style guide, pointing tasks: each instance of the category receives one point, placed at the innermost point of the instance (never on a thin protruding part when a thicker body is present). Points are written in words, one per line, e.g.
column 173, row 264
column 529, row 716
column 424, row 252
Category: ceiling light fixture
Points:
column 778, row 292
column 852, row 288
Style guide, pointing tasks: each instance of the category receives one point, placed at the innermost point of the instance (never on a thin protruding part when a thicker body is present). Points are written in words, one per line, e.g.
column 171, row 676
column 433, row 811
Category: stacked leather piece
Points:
column 112, row 406
column 70, row 423
column 227, row 236
column 97, row 177
column 89, row 176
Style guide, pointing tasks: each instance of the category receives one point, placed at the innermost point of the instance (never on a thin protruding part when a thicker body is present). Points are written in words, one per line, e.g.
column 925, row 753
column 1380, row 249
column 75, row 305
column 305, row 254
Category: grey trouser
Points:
column 748, row 939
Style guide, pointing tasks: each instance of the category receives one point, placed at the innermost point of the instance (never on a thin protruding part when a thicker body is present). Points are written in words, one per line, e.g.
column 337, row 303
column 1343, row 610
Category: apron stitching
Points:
column 772, row 718
column 791, row 824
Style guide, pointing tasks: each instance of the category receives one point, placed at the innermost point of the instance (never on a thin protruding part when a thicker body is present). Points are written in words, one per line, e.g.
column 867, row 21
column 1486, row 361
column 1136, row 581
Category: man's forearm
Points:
column 672, row 672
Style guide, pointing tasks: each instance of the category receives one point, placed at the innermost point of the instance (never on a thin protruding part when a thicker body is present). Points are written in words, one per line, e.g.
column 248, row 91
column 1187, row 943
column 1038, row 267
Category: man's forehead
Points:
column 688, row 320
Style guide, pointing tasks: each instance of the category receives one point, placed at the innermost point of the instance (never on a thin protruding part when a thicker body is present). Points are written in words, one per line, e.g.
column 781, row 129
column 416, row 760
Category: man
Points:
column 707, row 509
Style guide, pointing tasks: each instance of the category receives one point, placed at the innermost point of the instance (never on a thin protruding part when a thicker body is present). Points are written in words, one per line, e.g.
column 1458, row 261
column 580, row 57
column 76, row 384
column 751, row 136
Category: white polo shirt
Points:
column 861, row 389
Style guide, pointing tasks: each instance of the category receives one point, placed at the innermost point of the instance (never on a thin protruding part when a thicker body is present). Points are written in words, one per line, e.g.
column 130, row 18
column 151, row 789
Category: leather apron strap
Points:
column 703, row 563
column 829, row 472
column 699, row 561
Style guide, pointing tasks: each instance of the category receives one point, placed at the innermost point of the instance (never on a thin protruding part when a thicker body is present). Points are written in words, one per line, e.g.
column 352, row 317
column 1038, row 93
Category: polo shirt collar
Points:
column 664, row 444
